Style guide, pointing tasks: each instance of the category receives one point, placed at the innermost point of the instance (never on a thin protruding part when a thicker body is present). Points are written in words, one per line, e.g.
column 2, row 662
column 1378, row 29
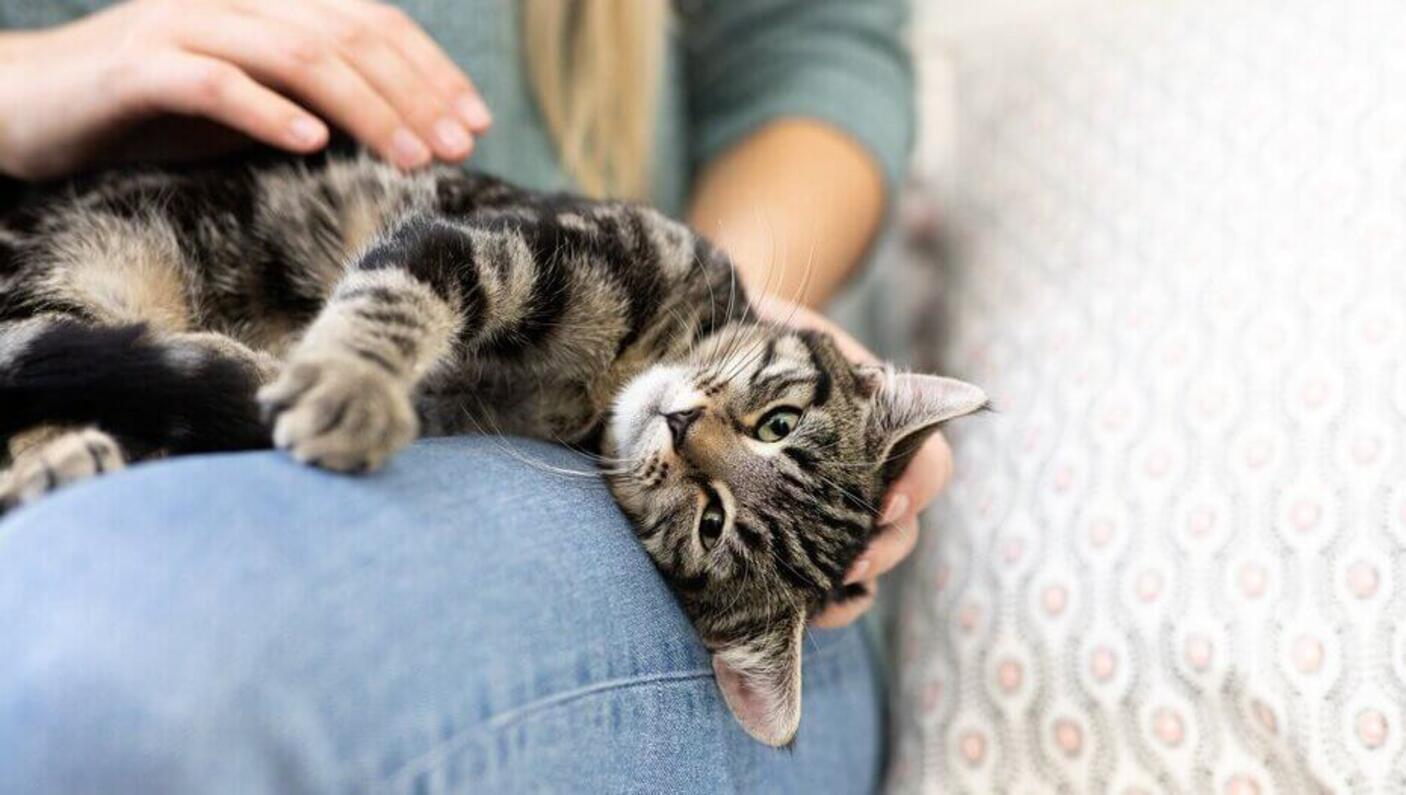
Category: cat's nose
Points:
column 679, row 422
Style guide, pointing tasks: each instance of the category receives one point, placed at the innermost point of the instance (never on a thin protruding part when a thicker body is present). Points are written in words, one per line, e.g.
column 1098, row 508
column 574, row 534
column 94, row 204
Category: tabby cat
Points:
column 348, row 308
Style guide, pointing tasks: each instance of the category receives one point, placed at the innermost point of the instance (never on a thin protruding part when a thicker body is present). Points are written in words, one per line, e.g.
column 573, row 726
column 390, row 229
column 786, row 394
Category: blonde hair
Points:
column 594, row 66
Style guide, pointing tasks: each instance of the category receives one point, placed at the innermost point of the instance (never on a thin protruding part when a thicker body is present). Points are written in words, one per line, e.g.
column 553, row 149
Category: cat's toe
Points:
column 339, row 414
column 66, row 459
column 280, row 394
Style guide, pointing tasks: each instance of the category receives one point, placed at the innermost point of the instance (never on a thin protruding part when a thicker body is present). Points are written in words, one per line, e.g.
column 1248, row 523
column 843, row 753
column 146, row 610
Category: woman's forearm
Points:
column 795, row 204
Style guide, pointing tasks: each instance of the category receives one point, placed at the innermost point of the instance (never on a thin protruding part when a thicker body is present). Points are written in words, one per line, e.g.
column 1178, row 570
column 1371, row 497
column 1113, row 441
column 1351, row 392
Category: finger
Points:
column 285, row 57
column 363, row 33
column 925, row 476
column 454, row 87
column 886, row 549
column 196, row 85
column 846, row 612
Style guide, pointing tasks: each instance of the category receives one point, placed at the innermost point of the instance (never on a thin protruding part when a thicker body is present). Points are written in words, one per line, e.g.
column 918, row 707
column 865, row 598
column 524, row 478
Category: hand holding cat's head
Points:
column 752, row 472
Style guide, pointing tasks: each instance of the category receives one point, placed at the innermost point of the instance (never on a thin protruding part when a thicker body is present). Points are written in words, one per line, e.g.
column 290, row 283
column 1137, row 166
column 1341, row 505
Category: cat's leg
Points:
column 165, row 393
column 50, row 457
column 537, row 291
column 343, row 399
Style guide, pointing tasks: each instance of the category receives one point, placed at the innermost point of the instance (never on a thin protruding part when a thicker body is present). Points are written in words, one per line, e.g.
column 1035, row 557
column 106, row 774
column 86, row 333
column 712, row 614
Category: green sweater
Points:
column 732, row 66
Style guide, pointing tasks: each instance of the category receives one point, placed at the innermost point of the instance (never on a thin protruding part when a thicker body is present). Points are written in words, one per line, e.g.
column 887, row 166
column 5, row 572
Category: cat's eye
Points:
column 711, row 521
column 777, row 424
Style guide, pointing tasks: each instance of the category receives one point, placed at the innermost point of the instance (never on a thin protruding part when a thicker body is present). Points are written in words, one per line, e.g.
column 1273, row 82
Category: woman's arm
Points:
column 795, row 204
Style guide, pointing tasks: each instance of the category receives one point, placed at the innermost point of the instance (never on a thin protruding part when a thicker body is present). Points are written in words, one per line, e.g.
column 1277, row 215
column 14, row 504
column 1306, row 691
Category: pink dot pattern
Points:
column 1171, row 244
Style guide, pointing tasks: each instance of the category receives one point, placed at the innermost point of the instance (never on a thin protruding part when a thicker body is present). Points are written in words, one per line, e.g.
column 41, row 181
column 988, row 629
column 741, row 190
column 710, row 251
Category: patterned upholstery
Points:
column 1175, row 560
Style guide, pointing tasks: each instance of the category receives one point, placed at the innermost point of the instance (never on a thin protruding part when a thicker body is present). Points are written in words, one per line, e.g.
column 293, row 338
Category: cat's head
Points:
column 753, row 477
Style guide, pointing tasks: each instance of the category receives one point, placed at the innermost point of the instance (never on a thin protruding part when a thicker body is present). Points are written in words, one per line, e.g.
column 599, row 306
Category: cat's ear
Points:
column 760, row 679
column 906, row 410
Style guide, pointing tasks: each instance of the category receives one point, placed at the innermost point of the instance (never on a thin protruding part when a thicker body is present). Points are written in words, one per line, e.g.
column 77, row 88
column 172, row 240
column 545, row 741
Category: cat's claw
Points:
column 65, row 459
column 338, row 413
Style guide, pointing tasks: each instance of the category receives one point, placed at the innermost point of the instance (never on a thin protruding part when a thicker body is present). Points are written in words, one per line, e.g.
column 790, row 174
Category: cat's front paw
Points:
column 338, row 413
column 67, row 458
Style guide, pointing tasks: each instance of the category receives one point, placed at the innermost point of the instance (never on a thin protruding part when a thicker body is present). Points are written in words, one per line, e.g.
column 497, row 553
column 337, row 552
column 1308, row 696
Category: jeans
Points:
column 462, row 621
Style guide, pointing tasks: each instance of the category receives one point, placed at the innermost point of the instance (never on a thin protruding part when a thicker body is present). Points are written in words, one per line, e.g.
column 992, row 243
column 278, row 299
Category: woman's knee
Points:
column 324, row 629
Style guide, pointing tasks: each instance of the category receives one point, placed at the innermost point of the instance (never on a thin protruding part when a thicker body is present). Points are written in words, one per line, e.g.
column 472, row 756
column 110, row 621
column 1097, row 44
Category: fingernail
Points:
column 452, row 136
column 408, row 150
column 305, row 131
column 896, row 508
column 857, row 570
column 474, row 111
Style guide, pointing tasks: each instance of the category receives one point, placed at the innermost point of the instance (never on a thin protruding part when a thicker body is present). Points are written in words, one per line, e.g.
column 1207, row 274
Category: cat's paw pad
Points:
column 65, row 459
column 338, row 413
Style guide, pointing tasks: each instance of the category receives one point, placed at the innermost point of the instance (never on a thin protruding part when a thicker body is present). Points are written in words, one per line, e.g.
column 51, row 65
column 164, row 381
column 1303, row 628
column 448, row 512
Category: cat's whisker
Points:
column 860, row 500
column 749, row 356
column 712, row 301
column 496, row 437
column 736, row 338
column 796, row 303
column 793, row 570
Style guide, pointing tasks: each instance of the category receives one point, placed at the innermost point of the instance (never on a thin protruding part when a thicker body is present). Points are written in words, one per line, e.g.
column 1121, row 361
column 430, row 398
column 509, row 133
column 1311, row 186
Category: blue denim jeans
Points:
column 462, row 621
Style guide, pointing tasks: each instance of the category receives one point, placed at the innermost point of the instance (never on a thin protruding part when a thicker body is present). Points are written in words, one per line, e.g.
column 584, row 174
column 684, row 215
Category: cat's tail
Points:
column 151, row 393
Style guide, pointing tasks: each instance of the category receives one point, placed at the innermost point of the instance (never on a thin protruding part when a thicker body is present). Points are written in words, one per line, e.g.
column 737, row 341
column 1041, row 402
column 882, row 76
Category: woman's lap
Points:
column 462, row 620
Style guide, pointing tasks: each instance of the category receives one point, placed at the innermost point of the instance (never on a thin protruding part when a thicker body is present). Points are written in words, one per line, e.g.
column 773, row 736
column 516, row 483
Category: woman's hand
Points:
column 925, row 476
column 275, row 71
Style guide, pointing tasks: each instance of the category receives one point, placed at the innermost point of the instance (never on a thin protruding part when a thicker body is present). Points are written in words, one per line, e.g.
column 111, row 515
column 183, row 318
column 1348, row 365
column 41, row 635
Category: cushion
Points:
column 1171, row 243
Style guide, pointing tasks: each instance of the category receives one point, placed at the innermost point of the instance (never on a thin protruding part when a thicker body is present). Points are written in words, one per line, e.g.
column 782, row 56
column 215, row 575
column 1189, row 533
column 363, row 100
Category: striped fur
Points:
column 339, row 309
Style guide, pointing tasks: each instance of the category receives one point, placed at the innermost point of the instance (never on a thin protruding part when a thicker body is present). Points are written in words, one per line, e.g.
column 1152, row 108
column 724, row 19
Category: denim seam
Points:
column 503, row 720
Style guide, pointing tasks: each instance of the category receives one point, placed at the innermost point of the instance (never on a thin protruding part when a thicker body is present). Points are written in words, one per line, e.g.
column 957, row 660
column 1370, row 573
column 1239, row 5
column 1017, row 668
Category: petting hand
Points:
column 276, row 71
column 919, row 484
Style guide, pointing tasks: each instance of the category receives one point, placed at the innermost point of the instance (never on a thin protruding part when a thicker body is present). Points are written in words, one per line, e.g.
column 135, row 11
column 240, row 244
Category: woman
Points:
column 236, row 623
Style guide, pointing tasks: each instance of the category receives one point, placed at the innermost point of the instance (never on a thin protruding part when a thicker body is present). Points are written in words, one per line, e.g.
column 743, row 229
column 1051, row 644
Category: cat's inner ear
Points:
column 760, row 679
column 907, row 408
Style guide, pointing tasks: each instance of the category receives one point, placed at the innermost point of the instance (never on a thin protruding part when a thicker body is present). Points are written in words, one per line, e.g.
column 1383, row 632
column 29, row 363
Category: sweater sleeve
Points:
column 841, row 62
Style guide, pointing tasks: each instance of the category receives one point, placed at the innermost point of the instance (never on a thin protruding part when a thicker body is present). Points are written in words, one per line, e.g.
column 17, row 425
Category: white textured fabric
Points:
column 1175, row 559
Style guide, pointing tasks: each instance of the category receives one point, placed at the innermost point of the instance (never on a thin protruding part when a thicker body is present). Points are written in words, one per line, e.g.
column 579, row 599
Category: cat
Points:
column 339, row 308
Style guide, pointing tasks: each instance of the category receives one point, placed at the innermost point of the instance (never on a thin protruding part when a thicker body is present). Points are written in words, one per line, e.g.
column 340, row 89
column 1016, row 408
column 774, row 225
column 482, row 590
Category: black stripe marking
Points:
column 440, row 255
column 790, row 568
column 814, row 551
column 768, row 354
column 549, row 297
column 653, row 530
column 803, row 459
column 383, row 295
column 376, row 358
column 638, row 273
column 692, row 584
column 750, row 537
column 408, row 346
column 389, row 317
column 335, row 418
column 822, row 377
column 775, row 385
